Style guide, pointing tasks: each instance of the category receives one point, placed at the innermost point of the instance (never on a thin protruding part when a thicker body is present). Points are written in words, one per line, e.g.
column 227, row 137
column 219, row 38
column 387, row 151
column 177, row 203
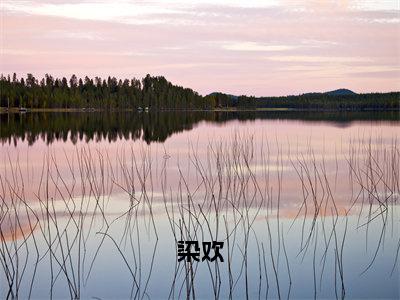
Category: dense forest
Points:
column 156, row 93
column 313, row 101
column 326, row 101
column 108, row 94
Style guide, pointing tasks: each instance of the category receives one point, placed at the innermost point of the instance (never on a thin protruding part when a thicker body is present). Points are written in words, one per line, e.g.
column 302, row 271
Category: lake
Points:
column 93, row 205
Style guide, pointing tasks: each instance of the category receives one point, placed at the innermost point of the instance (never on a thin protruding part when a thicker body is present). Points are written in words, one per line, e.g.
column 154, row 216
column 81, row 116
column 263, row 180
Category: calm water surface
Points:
column 92, row 204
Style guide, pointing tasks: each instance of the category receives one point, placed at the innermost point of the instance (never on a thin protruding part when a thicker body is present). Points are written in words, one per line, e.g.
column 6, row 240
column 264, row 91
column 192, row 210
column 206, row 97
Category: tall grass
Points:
column 91, row 204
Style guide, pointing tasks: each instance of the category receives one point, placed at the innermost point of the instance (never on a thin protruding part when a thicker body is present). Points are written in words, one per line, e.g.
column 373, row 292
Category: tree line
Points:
column 324, row 101
column 109, row 94
column 310, row 101
column 156, row 93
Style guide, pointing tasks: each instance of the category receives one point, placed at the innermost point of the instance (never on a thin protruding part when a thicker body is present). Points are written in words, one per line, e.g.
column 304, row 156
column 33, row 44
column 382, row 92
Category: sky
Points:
column 261, row 48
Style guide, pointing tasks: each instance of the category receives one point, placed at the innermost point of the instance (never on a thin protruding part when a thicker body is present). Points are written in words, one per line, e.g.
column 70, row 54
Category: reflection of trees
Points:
column 340, row 118
column 151, row 127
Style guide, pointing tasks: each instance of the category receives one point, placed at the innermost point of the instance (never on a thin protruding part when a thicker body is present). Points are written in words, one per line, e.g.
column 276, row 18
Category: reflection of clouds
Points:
column 118, row 205
column 297, row 145
column 13, row 229
column 311, row 212
column 15, row 226
column 382, row 196
column 242, row 169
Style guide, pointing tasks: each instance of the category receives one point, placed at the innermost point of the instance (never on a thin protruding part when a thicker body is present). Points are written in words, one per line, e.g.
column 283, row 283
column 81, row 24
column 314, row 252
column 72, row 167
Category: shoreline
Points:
column 231, row 109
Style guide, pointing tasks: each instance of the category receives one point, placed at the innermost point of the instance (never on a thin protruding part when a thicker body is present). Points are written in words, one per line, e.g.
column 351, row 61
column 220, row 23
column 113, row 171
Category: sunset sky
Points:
column 240, row 47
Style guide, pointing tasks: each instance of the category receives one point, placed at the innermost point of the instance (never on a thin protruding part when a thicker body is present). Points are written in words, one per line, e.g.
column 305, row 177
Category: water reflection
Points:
column 153, row 126
column 306, row 209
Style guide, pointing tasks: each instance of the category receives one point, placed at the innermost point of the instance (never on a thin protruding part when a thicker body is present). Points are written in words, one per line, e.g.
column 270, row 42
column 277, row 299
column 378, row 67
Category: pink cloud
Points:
column 250, row 48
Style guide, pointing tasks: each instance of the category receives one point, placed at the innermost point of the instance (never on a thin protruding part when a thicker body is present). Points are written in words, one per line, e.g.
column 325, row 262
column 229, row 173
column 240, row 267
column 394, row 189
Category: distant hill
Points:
column 338, row 92
column 341, row 92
